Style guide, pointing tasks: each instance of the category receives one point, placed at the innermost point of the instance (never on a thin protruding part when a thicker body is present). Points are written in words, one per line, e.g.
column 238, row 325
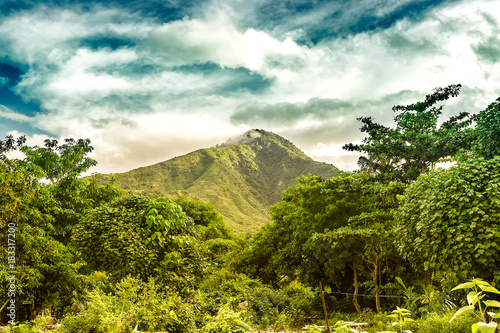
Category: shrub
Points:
column 226, row 321
column 132, row 303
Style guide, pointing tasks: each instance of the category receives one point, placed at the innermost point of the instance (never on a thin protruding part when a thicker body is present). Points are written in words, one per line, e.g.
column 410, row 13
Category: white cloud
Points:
column 138, row 108
column 219, row 40
column 7, row 113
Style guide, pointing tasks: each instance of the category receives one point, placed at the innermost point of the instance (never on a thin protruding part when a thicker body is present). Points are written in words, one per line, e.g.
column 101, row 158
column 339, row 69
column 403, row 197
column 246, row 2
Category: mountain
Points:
column 242, row 178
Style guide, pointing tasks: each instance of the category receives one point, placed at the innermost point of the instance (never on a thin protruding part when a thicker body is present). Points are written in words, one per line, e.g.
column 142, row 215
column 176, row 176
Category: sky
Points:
column 150, row 80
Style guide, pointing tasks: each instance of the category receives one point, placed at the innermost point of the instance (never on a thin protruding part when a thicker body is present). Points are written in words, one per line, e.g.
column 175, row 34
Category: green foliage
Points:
column 439, row 323
column 488, row 131
column 448, row 221
column 208, row 221
column 421, row 299
column 47, row 270
column 112, row 238
column 401, row 317
column 163, row 219
column 141, row 236
column 416, row 144
column 226, row 321
column 478, row 304
column 131, row 304
column 56, row 162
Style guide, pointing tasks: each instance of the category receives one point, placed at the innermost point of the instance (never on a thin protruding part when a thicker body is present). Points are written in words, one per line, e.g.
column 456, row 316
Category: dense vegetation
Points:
column 396, row 235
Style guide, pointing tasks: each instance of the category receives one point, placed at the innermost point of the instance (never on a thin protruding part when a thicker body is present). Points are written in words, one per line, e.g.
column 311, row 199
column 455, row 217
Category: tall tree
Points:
column 57, row 162
column 10, row 143
column 417, row 143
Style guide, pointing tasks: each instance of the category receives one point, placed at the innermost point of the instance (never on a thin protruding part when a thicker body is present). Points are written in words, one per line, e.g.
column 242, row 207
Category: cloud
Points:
column 242, row 139
column 3, row 81
column 219, row 40
column 145, row 90
column 315, row 110
column 7, row 113
column 257, row 114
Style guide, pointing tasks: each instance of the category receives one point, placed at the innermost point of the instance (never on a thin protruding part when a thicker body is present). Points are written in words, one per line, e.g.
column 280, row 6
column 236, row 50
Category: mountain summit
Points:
column 242, row 177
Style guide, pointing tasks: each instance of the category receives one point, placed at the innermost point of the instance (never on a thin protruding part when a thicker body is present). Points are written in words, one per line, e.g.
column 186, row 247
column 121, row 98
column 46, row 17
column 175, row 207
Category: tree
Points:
column 448, row 222
column 488, row 131
column 416, row 144
column 57, row 162
column 366, row 240
column 143, row 237
column 376, row 164
column 9, row 143
column 47, row 271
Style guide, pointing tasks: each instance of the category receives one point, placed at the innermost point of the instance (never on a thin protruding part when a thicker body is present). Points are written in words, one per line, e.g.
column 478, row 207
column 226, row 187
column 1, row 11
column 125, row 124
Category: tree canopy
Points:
column 447, row 223
column 417, row 143
column 56, row 162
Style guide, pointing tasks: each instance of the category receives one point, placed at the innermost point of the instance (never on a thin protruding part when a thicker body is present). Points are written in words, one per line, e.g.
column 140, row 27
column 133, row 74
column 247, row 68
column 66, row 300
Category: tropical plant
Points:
column 479, row 304
column 226, row 321
column 401, row 318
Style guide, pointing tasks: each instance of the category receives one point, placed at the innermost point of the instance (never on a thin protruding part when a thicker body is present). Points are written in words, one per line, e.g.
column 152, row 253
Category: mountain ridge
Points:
column 241, row 177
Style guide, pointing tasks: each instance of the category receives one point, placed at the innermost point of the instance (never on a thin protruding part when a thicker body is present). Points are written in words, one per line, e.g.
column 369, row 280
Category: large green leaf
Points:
column 490, row 289
column 466, row 285
column 472, row 297
column 484, row 327
column 492, row 303
column 462, row 311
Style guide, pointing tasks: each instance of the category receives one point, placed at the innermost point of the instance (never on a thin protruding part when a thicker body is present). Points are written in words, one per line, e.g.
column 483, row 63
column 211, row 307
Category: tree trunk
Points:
column 377, row 292
column 356, row 291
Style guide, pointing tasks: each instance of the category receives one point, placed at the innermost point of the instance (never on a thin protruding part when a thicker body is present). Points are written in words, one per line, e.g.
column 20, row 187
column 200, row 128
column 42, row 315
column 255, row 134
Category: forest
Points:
column 396, row 246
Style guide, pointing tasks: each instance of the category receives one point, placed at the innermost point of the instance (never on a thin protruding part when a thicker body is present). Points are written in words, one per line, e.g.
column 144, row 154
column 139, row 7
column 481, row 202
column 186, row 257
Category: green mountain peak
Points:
column 241, row 177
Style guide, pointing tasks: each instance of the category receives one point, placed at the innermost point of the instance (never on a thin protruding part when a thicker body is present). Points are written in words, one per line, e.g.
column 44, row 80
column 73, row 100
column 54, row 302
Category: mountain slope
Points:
column 241, row 177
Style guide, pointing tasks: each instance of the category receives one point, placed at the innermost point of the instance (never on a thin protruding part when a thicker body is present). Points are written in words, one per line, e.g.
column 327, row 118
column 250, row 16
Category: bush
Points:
column 226, row 321
column 132, row 303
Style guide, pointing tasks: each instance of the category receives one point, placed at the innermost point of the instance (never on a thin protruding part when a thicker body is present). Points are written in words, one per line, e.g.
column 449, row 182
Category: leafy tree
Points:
column 57, row 162
column 417, row 143
column 447, row 223
column 276, row 251
column 368, row 235
column 208, row 221
column 144, row 237
column 336, row 231
column 47, row 270
column 488, row 131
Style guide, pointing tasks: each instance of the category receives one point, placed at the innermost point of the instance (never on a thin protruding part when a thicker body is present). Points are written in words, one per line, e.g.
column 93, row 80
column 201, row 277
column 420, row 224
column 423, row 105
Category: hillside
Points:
column 241, row 177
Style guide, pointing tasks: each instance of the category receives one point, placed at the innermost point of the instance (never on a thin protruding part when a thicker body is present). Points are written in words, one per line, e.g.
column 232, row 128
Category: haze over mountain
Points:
column 242, row 177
